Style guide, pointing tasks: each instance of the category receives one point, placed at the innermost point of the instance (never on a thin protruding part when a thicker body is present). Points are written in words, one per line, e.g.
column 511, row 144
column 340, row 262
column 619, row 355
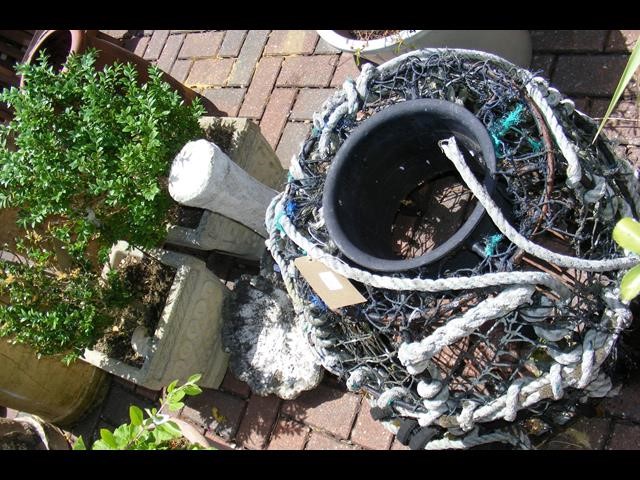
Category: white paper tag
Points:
column 335, row 290
column 330, row 280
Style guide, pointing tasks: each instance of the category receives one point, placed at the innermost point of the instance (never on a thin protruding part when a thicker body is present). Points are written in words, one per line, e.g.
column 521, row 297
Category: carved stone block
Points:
column 188, row 337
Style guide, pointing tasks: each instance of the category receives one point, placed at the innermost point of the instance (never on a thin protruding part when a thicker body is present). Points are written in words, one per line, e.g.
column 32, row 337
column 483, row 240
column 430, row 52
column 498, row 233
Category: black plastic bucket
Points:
column 387, row 157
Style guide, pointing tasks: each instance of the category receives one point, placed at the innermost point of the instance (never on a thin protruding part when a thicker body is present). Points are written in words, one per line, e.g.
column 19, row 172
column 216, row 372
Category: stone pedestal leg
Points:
column 203, row 176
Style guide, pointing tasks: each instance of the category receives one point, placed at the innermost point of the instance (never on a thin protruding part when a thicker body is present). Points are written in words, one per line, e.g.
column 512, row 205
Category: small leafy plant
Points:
column 626, row 233
column 156, row 431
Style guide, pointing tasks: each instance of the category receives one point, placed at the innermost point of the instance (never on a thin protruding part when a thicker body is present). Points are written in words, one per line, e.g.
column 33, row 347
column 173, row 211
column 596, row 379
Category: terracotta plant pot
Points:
column 59, row 44
column 28, row 432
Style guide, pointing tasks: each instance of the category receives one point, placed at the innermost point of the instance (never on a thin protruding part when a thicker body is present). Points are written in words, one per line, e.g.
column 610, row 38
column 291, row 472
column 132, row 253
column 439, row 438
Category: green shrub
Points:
column 93, row 150
column 93, row 147
column 53, row 311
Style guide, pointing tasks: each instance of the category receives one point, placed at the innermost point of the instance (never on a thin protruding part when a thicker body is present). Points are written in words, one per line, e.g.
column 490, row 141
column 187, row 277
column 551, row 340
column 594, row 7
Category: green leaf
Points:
column 136, row 416
column 122, row 436
column 108, row 438
column 626, row 233
column 192, row 390
column 194, row 378
column 627, row 74
column 79, row 445
column 175, row 406
column 162, row 434
column 630, row 285
column 172, row 386
column 100, row 445
column 173, row 428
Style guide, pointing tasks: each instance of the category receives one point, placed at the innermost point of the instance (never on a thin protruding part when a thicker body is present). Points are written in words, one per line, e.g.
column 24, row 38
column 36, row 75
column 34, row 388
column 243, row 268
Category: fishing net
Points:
column 508, row 344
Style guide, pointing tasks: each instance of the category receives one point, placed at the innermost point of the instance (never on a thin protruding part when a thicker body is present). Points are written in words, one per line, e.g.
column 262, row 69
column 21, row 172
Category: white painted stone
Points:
column 141, row 342
column 267, row 344
column 188, row 337
column 251, row 151
column 203, row 176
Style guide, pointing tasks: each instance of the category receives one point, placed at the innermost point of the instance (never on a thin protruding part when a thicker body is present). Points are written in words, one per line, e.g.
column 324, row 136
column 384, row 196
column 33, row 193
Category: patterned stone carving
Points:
column 249, row 150
column 188, row 337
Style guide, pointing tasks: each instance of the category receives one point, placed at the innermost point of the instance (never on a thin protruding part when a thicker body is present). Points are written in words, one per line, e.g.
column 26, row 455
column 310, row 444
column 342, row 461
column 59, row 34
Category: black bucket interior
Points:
column 391, row 179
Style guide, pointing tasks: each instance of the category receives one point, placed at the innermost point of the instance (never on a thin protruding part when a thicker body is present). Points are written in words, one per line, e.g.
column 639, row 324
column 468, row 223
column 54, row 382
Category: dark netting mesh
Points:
column 545, row 338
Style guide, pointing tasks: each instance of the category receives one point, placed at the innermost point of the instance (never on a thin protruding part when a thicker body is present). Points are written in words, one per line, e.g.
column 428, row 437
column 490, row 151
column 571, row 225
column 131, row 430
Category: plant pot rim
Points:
column 78, row 40
column 353, row 45
column 345, row 158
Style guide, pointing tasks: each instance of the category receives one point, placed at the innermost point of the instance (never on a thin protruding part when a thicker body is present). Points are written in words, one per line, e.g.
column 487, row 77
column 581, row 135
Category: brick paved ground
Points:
column 278, row 79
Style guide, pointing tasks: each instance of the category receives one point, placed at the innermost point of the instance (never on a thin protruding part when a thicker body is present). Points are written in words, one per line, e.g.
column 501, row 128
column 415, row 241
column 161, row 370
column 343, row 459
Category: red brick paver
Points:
column 289, row 435
column 228, row 100
column 249, row 55
column 323, row 48
column 396, row 445
column 369, row 432
column 258, row 421
column 170, row 52
column 320, row 441
column 137, row 45
column 156, row 44
column 622, row 40
column 626, row 404
column 291, row 42
column 232, row 43
column 346, row 68
column 596, row 75
column 309, row 101
column 326, row 408
column 199, row 45
column 233, row 385
column 261, row 86
column 543, row 63
column 293, row 136
column 307, row 71
column 216, row 411
column 569, row 40
column 276, row 113
column 625, row 437
column 209, row 71
column 180, row 69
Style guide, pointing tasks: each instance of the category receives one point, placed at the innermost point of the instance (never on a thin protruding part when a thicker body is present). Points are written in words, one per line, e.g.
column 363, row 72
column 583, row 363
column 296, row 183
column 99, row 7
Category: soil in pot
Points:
column 220, row 134
column 366, row 35
column 183, row 216
column 149, row 282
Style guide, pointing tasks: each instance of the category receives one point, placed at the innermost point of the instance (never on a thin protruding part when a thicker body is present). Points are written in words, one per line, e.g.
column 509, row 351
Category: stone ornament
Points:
column 250, row 151
column 266, row 342
column 203, row 176
column 187, row 339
